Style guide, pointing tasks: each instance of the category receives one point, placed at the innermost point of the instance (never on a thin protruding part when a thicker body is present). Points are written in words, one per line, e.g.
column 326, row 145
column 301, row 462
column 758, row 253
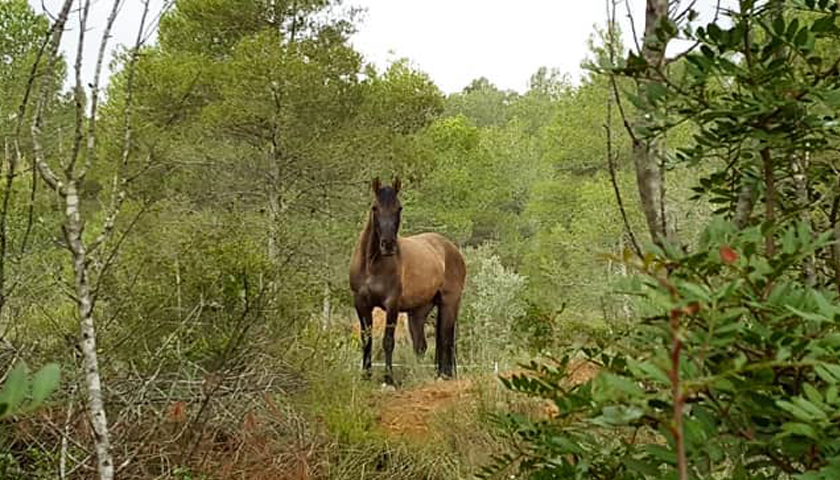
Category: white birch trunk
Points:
column 90, row 361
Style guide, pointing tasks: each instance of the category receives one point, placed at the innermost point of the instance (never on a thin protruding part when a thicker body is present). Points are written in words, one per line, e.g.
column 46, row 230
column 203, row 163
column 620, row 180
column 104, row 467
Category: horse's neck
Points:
column 367, row 250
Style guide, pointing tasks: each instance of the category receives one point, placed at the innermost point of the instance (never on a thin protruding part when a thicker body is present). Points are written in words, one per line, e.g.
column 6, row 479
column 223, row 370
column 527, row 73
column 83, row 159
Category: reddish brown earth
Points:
column 408, row 413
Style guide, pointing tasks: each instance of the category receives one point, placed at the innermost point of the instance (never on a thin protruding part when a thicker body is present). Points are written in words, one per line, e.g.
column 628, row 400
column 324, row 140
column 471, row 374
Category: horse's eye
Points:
column 373, row 208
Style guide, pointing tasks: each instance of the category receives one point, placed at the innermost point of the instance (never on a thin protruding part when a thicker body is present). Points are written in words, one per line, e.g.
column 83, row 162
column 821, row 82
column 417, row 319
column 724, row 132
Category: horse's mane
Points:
column 366, row 248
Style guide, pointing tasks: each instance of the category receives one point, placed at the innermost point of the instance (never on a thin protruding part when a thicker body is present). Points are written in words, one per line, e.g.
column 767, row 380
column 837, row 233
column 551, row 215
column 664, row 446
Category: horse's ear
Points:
column 397, row 184
column 375, row 184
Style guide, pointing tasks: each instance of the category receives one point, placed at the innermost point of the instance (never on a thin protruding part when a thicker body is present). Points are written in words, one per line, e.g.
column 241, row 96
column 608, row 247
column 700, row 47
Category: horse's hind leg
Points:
column 416, row 322
column 365, row 313
column 445, row 335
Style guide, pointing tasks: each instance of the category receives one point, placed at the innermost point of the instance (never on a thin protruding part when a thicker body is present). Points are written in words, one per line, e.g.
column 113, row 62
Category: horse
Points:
column 410, row 274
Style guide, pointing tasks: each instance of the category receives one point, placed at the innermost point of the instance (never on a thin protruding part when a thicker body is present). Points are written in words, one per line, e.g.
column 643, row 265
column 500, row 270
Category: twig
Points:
column 633, row 26
column 608, row 127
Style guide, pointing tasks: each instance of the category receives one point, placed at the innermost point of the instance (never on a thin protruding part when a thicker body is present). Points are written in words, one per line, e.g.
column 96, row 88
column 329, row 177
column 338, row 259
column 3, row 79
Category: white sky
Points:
column 454, row 41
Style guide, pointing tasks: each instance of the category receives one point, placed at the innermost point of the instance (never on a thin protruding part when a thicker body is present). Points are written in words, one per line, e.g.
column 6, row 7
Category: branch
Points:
column 677, row 394
column 608, row 128
column 769, row 198
column 119, row 194
column 38, row 151
column 90, row 155
column 78, row 95
column 697, row 43
column 633, row 26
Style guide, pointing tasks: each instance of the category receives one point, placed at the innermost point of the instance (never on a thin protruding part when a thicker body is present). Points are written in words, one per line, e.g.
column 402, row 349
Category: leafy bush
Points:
column 493, row 303
column 734, row 368
column 739, row 371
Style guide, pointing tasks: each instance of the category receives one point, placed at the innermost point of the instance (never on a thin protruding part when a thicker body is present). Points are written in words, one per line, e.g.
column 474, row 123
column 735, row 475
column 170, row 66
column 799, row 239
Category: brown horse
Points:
column 405, row 274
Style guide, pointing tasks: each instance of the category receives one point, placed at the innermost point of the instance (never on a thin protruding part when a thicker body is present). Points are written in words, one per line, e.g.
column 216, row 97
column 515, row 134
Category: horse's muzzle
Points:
column 387, row 247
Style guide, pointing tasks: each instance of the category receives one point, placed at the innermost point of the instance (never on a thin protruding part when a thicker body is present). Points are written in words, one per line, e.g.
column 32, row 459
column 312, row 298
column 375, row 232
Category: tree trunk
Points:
column 647, row 152
column 327, row 308
column 800, row 167
column 274, row 204
column 84, row 301
column 769, row 198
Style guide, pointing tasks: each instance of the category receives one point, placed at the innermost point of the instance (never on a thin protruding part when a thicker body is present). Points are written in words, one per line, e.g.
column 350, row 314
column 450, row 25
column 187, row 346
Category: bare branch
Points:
column 119, row 194
column 608, row 127
column 38, row 151
column 633, row 26
column 90, row 155
column 78, row 94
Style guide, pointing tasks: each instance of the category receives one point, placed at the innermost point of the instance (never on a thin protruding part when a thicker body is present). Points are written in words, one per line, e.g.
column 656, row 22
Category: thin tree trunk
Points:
column 800, row 167
column 647, row 151
column 327, row 308
column 4, row 213
column 84, row 302
column 835, row 227
column 744, row 206
column 62, row 460
column 769, row 199
column 274, row 205
column 608, row 127
column 68, row 189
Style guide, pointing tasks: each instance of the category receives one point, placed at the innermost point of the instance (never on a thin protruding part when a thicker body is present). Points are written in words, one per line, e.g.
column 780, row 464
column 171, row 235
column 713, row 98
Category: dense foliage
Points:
column 225, row 185
column 732, row 370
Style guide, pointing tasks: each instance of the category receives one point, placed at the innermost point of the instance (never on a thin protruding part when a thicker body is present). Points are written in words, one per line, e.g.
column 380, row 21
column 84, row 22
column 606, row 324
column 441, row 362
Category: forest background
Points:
column 177, row 243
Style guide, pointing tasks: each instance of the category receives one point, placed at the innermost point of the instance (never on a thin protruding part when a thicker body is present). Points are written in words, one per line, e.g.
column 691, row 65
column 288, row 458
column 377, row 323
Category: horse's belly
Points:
column 412, row 298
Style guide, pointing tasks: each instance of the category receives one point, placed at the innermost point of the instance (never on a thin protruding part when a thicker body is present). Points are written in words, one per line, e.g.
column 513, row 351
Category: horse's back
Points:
column 454, row 268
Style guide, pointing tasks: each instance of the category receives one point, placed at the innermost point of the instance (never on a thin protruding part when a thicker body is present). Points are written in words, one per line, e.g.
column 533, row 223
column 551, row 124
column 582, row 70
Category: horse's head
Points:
column 386, row 210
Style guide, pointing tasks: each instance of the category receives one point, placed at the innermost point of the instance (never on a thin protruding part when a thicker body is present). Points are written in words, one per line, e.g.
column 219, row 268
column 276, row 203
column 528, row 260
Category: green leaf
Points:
column 812, row 393
column 618, row 384
column 655, row 92
column 698, row 291
column 797, row 411
column 828, row 372
column 45, row 382
column 644, row 467
column 831, row 394
column 647, row 369
column 812, row 409
column 813, row 317
column 15, row 388
column 779, row 26
column 801, row 429
column 618, row 415
column 662, row 453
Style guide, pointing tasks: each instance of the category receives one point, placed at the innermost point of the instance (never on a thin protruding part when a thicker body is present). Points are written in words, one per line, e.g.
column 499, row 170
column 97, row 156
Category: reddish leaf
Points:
column 728, row 255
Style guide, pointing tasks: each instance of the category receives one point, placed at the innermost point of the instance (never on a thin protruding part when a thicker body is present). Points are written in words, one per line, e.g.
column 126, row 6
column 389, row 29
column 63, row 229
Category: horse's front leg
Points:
column 365, row 313
column 388, row 341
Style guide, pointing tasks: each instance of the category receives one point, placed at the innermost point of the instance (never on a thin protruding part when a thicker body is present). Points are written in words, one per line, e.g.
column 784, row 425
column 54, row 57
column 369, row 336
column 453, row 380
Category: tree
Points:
column 67, row 186
column 734, row 370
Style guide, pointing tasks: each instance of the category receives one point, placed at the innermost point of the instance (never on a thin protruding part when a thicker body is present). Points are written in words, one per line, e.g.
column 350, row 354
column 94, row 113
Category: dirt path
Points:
column 408, row 413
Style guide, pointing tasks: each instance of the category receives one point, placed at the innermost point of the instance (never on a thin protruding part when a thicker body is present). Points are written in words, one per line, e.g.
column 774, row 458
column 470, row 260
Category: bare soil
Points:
column 408, row 413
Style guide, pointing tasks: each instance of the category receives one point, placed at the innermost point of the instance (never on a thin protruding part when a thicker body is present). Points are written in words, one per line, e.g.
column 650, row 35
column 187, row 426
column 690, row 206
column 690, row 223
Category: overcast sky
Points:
column 454, row 41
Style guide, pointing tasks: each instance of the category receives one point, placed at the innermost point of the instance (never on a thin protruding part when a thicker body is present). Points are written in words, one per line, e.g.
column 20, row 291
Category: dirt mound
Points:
column 408, row 413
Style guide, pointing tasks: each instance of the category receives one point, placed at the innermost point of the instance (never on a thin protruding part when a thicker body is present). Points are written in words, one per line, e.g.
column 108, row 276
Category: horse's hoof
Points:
column 387, row 387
